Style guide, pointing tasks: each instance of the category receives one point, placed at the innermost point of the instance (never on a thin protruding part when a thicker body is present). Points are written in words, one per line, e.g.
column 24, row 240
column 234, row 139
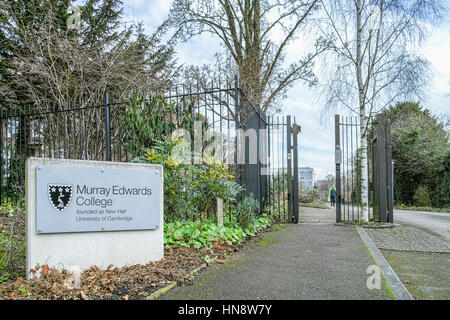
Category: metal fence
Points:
column 283, row 182
column 93, row 131
column 348, row 169
column 82, row 131
column 348, row 187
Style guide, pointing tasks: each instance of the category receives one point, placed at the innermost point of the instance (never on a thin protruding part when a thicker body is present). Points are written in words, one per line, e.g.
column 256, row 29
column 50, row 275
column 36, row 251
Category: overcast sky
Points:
column 317, row 138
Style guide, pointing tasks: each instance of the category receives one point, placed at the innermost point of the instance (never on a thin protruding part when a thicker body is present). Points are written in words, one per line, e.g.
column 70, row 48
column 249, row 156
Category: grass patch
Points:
column 370, row 224
column 424, row 274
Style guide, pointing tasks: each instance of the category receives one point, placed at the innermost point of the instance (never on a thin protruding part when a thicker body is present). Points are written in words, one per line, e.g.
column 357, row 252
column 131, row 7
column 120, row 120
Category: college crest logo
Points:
column 60, row 195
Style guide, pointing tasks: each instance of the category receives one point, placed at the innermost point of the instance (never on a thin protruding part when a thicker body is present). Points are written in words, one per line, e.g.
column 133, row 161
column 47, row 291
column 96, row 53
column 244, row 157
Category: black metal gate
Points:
column 283, row 176
column 269, row 171
column 348, row 155
column 382, row 170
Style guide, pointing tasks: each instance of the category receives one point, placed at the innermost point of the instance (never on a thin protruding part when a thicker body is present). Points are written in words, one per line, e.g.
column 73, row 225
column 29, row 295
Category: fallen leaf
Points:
column 83, row 296
column 18, row 283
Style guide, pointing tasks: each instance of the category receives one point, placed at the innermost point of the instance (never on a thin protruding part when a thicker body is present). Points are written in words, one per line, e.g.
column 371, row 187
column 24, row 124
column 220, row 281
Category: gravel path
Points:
column 407, row 238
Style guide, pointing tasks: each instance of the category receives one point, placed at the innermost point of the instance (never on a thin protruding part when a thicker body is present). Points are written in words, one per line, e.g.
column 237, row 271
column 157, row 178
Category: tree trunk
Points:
column 364, row 171
column 362, row 115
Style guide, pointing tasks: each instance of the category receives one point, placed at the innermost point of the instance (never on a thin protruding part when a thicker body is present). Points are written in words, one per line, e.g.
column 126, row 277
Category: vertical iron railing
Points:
column 338, row 161
column 283, row 179
column 107, row 128
column 348, row 156
column 295, row 198
column 91, row 130
column 348, row 159
column 289, row 168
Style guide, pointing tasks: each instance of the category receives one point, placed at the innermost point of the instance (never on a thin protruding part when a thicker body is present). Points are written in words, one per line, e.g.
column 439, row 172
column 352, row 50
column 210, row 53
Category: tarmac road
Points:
column 436, row 222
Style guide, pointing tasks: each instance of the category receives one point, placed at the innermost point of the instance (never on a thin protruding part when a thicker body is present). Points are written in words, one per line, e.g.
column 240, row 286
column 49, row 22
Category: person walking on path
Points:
column 332, row 195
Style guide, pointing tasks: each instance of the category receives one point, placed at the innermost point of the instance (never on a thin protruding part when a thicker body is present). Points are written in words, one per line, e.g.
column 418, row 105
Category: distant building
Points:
column 306, row 177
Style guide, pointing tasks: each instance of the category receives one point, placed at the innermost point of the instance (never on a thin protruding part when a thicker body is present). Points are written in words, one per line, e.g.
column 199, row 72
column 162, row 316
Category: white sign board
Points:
column 83, row 213
column 82, row 199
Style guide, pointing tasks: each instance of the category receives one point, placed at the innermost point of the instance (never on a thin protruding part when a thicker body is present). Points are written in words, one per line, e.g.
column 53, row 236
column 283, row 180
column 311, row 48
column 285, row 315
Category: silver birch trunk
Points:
column 362, row 115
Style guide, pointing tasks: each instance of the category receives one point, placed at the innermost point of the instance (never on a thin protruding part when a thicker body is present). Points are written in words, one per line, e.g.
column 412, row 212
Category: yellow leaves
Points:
column 219, row 171
column 170, row 163
column 150, row 155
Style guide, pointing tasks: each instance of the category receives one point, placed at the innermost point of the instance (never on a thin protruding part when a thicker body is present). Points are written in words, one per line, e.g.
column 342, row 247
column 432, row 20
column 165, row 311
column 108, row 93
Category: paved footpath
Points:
column 311, row 260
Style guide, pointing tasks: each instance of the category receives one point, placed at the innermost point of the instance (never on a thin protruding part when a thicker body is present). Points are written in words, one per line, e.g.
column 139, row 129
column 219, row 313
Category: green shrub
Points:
column 190, row 191
column 441, row 194
column 422, row 197
column 150, row 119
column 247, row 210
column 12, row 243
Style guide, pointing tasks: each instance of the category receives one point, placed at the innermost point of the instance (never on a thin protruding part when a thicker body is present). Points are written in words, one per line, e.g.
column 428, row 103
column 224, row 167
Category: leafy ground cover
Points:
column 186, row 249
column 209, row 235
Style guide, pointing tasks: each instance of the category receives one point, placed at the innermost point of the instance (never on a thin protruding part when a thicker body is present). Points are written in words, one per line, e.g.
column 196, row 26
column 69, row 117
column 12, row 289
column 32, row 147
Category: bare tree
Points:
column 53, row 68
column 248, row 30
column 374, row 61
column 53, row 65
